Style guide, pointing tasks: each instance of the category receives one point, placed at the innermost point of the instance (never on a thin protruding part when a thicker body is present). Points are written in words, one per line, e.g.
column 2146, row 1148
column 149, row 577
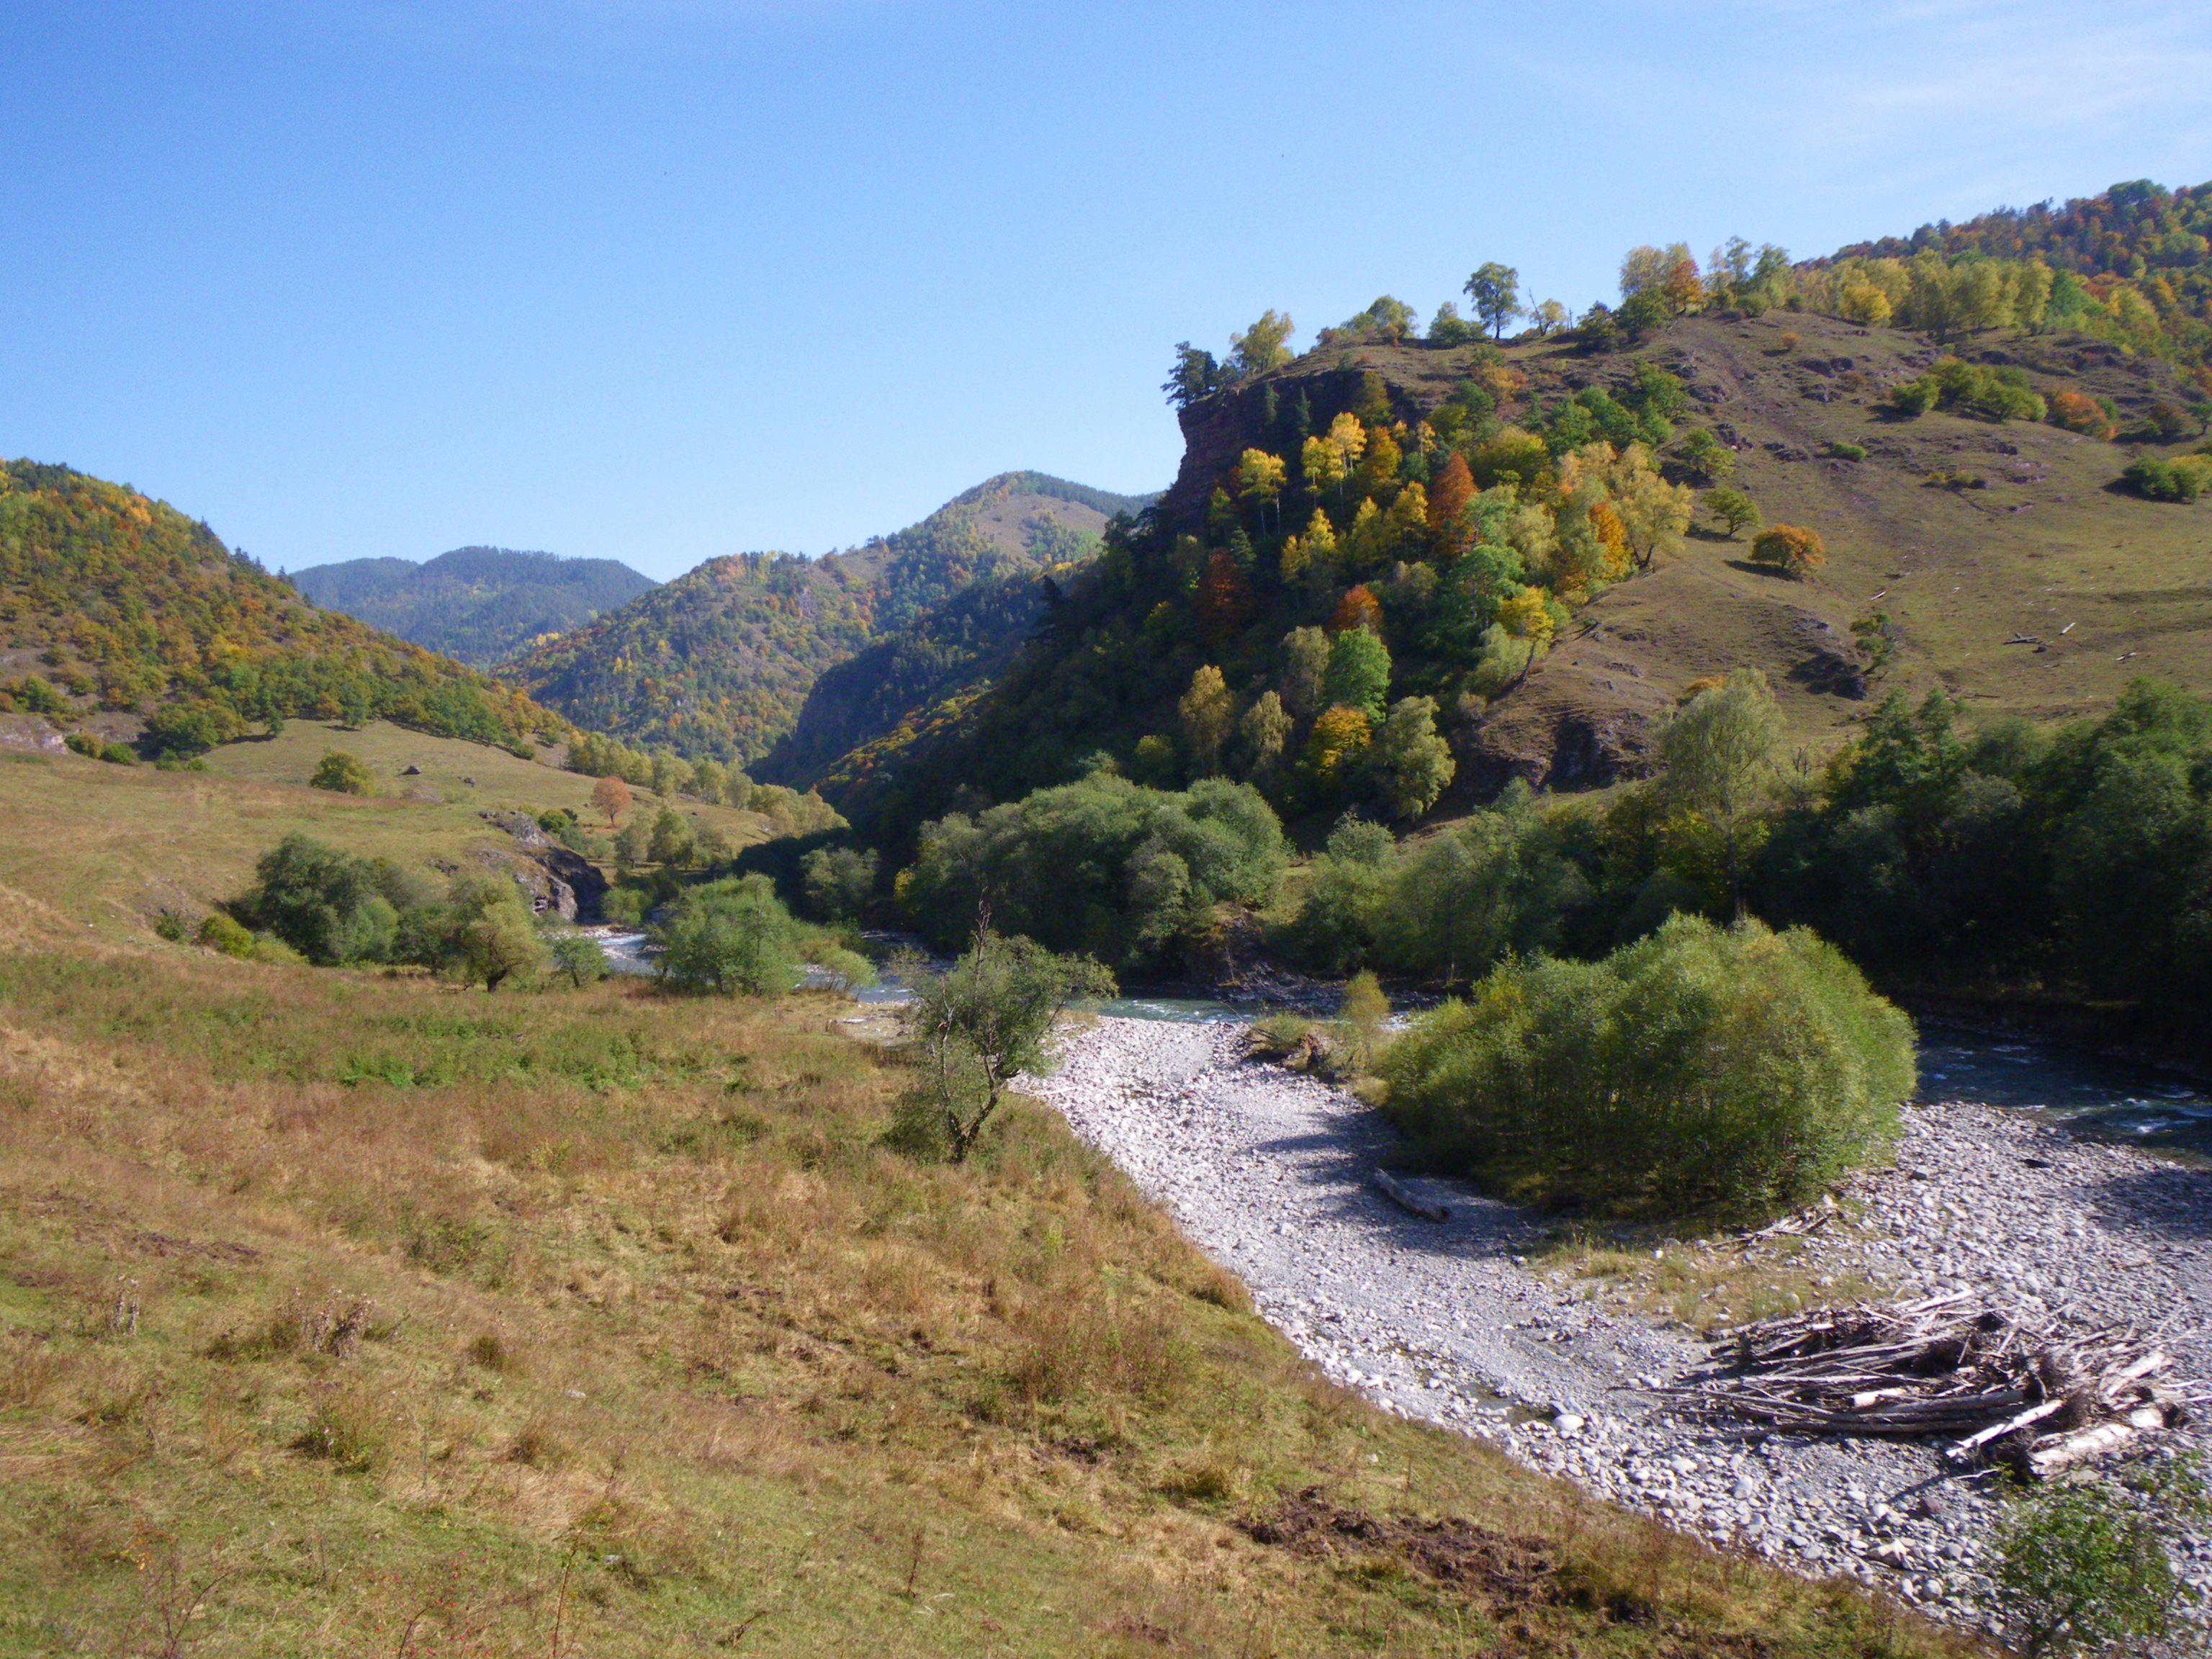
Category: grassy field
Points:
column 354, row 1314
column 112, row 845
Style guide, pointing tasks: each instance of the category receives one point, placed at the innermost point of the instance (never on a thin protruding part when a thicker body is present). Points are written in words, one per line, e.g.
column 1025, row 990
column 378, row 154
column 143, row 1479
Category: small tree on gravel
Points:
column 979, row 1025
column 2085, row 1568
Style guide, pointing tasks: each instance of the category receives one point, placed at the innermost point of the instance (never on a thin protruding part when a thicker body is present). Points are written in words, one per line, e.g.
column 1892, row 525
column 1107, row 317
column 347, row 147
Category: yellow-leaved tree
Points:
column 1207, row 712
column 1260, row 481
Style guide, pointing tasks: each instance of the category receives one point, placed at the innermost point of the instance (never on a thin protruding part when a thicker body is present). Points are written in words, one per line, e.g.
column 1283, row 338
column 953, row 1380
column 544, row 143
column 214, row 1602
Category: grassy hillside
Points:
column 1953, row 535
column 349, row 1313
column 111, row 601
column 477, row 604
column 113, row 846
column 718, row 662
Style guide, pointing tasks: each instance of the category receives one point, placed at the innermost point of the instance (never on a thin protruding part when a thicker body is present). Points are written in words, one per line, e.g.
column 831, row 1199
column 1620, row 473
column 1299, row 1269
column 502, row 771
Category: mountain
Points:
column 718, row 662
column 477, row 604
column 110, row 601
column 1554, row 601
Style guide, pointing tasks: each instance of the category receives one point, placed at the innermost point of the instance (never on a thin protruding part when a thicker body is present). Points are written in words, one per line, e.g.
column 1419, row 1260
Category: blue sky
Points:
column 660, row 279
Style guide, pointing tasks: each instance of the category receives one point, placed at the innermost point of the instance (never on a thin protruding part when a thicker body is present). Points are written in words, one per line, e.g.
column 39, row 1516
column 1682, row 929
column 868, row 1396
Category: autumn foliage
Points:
column 1791, row 549
column 1358, row 608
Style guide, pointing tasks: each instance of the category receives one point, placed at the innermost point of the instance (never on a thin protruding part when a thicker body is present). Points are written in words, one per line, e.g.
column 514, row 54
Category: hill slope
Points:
column 1952, row 534
column 718, row 662
column 110, row 601
column 477, row 604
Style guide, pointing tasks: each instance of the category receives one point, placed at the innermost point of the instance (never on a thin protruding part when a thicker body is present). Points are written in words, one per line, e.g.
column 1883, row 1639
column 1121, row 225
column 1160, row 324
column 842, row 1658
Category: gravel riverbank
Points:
column 1269, row 1172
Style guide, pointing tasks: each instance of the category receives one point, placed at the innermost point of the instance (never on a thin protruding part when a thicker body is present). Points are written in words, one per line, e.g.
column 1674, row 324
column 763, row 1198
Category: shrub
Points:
column 732, row 936
column 1789, row 547
column 118, row 753
column 343, row 775
column 1701, row 1073
column 180, row 731
column 82, row 743
column 979, row 1025
column 220, row 933
column 2083, row 1568
column 327, row 905
column 1844, row 451
column 2181, row 480
column 171, row 925
column 1994, row 394
column 626, row 905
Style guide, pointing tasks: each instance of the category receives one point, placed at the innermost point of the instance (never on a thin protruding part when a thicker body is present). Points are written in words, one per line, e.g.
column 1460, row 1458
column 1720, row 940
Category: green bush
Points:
column 732, row 936
column 171, row 925
column 342, row 773
column 118, row 753
column 82, row 743
column 582, row 960
column 1699, row 1074
column 2083, row 1568
column 1844, row 451
column 1994, row 394
column 2184, row 479
column 625, row 905
column 220, row 933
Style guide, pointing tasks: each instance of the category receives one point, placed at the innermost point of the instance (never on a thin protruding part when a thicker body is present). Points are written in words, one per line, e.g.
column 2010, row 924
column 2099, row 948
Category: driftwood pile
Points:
column 2035, row 1395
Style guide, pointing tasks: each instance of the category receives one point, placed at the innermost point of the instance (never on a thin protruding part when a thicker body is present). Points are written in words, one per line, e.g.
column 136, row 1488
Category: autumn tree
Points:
column 1655, row 514
column 1732, row 508
column 1792, row 549
column 1225, row 596
column 1206, row 711
column 1495, row 291
column 611, row 795
column 1412, row 758
column 1684, row 289
column 1259, row 347
column 1339, row 737
column 1358, row 608
column 1262, row 734
column 1454, row 488
column 1259, row 480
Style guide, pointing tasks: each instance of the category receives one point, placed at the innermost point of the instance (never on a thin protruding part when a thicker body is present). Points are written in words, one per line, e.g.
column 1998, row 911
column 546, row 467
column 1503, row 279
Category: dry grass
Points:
column 345, row 1314
column 1703, row 1284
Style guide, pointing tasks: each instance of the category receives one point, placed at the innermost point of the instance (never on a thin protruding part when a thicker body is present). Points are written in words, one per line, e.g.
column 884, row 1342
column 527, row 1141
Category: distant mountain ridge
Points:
column 477, row 604
column 718, row 662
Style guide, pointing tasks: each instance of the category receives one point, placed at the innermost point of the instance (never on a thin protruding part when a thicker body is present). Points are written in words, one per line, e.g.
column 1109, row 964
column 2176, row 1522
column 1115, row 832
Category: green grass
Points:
column 356, row 1314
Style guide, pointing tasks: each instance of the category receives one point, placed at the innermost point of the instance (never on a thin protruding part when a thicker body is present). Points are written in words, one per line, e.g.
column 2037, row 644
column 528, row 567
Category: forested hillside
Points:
column 110, row 601
column 477, row 604
column 718, row 663
column 1402, row 564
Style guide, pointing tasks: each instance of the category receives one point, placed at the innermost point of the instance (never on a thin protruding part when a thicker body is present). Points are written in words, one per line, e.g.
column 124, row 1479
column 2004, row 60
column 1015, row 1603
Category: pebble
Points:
column 1268, row 1170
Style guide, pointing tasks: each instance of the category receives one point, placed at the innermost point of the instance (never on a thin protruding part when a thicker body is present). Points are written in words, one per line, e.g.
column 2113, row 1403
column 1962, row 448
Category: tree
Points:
column 633, row 846
column 730, row 937
column 1707, row 456
column 611, row 795
column 1683, row 290
column 1718, row 752
column 342, row 773
column 1448, row 498
column 1358, row 673
column 1259, row 480
column 1305, row 657
column 981, row 1023
column 1339, row 735
column 1655, row 515
column 579, row 958
column 1495, row 290
column 837, row 881
column 1322, row 465
column 1449, row 328
column 1549, row 318
column 1262, row 734
column 670, row 843
column 1206, row 710
column 497, row 937
column 1732, row 507
column 1358, row 608
column 1414, row 761
column 1195, row 375
column 1791, row 549
column 1259, row 347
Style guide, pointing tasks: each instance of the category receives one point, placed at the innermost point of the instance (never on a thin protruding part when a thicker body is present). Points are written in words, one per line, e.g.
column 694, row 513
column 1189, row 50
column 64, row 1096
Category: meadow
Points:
column 358, row 1313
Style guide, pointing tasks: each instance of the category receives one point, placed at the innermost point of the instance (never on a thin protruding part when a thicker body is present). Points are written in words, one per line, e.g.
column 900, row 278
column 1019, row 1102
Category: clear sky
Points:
column 659, row 279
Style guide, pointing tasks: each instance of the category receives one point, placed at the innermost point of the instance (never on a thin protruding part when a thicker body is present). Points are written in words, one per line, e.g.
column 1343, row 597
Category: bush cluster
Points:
column 1104, row 866
column 2181, row 479
column 1993, row 394
column 1722, row 1074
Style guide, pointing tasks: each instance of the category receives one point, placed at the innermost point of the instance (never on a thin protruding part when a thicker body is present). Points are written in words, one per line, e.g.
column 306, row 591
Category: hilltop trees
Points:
column 1495, row 291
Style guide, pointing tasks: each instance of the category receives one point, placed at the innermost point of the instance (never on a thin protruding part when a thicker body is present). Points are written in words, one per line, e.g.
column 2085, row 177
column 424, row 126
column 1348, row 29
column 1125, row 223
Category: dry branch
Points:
column 2039, row 1396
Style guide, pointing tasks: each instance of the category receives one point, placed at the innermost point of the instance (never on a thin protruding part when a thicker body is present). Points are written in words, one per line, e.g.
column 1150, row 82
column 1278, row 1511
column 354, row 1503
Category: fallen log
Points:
column 1408, row 1199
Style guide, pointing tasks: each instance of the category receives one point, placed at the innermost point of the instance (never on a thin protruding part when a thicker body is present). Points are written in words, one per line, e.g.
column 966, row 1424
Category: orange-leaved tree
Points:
column 1792, row 549
column 611, row 795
